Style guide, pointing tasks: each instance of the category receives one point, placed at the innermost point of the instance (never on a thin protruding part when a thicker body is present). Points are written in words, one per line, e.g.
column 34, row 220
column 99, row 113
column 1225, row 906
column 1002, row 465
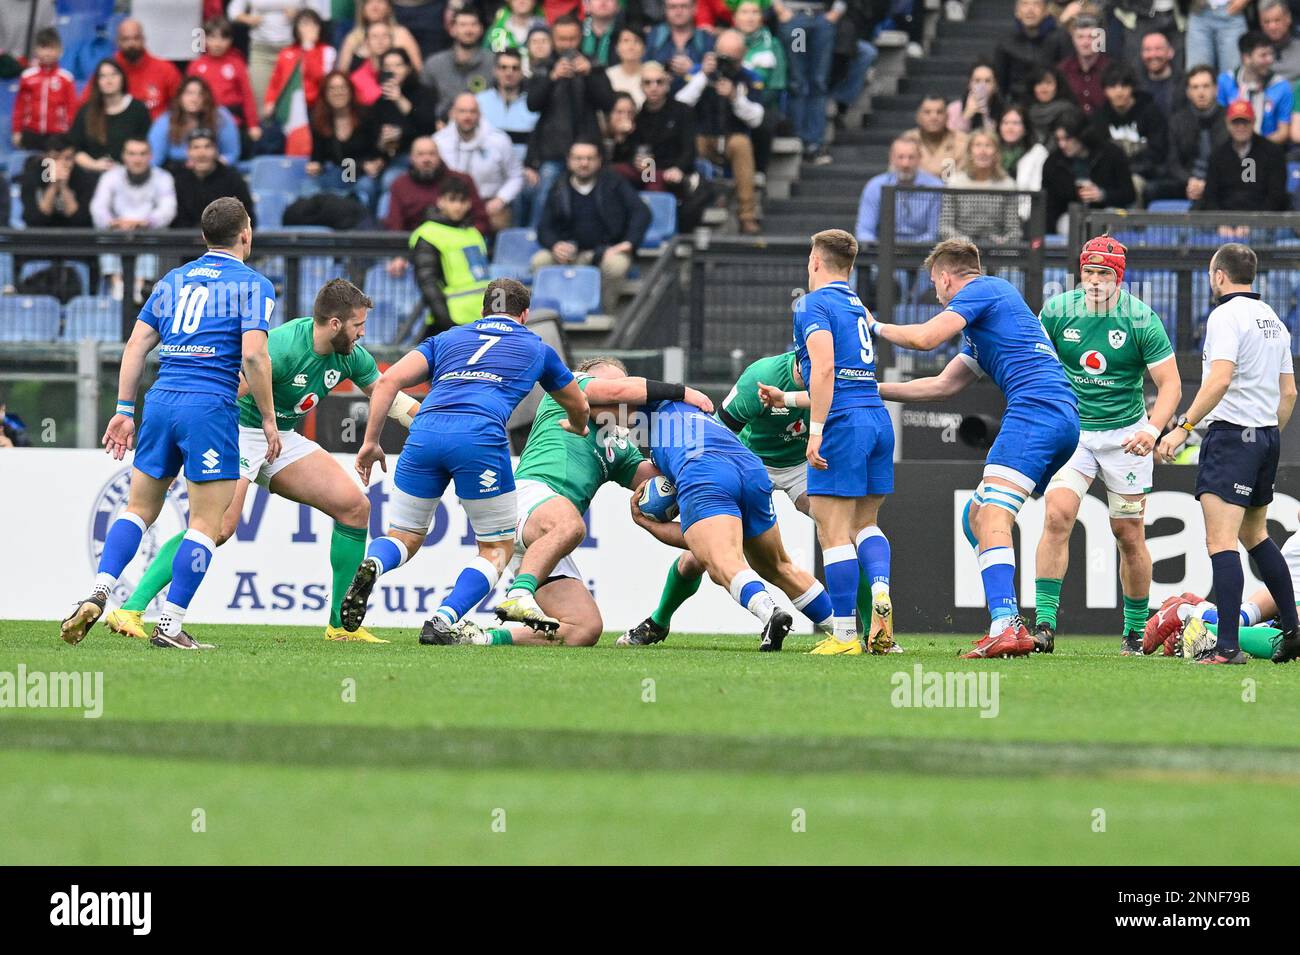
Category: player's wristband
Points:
column 663, row 391
column 792, row 398
column 126, row 408
column 1152, row 430
column 815, row 427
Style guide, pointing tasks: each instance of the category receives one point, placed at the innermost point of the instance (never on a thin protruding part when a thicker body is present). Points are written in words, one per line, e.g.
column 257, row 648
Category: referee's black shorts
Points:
column 1239, row 464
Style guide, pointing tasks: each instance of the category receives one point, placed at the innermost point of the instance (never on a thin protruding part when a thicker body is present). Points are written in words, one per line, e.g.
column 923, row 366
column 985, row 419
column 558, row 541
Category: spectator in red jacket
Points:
column 317, row 60
column 226, row 73
column 1082, row 71
column 152, row 81
column 47, row 95
column 713, row 15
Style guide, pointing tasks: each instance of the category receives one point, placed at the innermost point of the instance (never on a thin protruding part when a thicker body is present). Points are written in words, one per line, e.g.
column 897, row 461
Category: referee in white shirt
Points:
column 1247, row 394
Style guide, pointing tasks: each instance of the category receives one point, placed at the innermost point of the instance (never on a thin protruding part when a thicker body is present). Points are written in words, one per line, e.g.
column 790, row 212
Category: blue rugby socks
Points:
column 998, row 571
column 474, row 583
column 189, row 567
column 120, row 545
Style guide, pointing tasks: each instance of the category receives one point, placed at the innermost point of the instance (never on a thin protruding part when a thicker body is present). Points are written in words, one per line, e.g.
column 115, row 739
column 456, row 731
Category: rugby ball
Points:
column 658, row 500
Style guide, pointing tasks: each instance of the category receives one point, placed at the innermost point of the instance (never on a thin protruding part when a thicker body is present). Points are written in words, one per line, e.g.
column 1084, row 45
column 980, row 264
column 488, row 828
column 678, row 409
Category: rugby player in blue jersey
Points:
column 211, row 317
column 478, row 373
column 727, row 521
column 1002, row 338
column 850, row 443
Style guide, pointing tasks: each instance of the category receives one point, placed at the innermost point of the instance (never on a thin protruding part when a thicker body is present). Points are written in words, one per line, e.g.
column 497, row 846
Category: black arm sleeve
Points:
column 729, row 420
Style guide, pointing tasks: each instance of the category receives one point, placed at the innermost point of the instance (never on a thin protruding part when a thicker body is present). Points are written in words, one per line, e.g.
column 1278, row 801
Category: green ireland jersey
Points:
column 575, row 467
column 1106, row 355
column 300, row 377
column 779, row 436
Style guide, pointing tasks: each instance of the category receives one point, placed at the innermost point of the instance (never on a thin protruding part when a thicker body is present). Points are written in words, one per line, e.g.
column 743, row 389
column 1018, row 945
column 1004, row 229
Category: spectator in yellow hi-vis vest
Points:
column 451, row 263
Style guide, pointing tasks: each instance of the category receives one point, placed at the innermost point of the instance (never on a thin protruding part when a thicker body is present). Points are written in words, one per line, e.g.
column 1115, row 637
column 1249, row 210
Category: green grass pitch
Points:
column 741, row 757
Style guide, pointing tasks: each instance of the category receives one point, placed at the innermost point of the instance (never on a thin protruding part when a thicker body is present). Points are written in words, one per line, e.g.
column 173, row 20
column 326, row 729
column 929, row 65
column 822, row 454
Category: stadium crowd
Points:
column 387, row 102
column 1122, row 104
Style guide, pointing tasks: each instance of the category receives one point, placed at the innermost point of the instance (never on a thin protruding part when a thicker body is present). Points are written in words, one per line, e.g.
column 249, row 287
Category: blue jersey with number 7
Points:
column 837, row 309
column 201, row 311
column 486, row 369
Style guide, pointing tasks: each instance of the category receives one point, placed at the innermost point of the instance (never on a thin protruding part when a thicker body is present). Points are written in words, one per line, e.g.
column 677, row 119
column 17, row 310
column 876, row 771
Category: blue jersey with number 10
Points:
column 201, row 311
column 837, row 309
column 486, row 369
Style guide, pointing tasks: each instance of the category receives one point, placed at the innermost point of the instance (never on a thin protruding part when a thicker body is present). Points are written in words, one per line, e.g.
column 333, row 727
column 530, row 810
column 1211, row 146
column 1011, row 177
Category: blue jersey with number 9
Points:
column 837, row 309
column 201, row 311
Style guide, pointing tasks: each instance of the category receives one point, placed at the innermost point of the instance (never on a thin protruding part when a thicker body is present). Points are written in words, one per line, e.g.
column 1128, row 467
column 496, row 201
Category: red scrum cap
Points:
column 1105, row 252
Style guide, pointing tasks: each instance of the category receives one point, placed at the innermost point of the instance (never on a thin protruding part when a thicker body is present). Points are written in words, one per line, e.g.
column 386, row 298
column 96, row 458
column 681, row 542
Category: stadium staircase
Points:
column 827, row 196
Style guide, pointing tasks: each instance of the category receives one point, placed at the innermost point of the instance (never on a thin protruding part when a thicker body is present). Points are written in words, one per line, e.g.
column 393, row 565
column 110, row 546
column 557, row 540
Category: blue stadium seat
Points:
column 402, row 293
column 15, row 206
column 103, row 9
column 572, row 290
column 383, row 322
column 93, row 316
column 513, row 254
column 81, row 268
column 15, row 163
column 1174, row 205
column 6, row 270
column 269, row 207
column 663, row 218
column 313, row 273
column 29, row 318
column 278, row 174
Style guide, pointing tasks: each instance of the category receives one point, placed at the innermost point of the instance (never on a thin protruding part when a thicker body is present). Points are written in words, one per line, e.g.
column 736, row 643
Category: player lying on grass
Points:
column 210, row 316
column 1107, row 340
column 559, row 474
column 1040, row 427
column 479, row 374
column 309, row 357
column 727, row 522
column 1182, row 618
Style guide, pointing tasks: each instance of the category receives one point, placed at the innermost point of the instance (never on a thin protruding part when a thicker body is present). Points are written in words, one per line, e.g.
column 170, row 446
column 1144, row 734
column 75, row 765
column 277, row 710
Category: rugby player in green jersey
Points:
column 309, row 357
column 1108, row 341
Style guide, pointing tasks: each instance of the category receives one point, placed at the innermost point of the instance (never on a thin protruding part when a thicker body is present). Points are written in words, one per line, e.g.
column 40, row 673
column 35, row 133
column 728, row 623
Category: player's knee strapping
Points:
column 1122, row 508
column 999, row 495
column 748, row 591
column 1071, row 480
column 815, row 604
column 493, row 518
column 967, row 530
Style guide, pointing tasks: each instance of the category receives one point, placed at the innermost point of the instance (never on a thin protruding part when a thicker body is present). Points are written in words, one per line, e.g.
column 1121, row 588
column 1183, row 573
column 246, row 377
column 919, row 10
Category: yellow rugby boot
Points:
column 360, row 635
column 129, row 623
